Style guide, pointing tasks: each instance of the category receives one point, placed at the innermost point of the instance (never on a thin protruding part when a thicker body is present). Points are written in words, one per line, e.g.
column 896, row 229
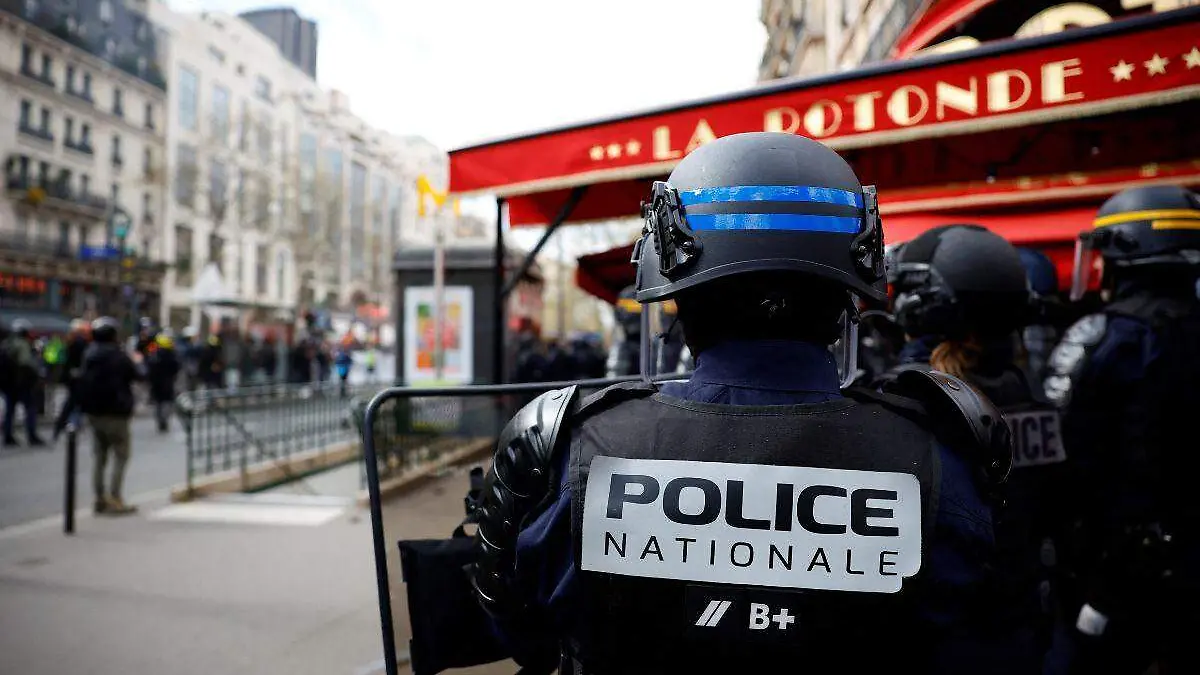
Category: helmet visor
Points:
column 1088, row 266
column 845, row 350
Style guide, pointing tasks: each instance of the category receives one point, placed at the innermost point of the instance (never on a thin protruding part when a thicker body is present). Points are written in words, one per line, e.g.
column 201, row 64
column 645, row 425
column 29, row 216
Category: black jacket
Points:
column 162, row 368
column 106, row 386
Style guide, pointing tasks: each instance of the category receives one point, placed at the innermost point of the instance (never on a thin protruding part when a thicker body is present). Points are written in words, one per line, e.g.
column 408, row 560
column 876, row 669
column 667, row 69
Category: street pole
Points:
column 439, row 289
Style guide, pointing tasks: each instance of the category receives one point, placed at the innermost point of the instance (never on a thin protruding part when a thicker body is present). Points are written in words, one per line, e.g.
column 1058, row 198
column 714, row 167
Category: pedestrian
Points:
column 723, row 524
column 106, row 396
column 369, row 358
column 268, row 358
column 78, row 339
column 22, row 384
column 162, row 369
column 964, row 289
column 212, row 363
column 343, row 361
column 1128, row 381
column 189, row 353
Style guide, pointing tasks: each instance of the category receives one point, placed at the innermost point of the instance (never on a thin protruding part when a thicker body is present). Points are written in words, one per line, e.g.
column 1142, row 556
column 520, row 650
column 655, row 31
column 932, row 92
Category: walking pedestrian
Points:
column 78, row 340
column 343, row 361
column 21, row 383
column 162, row 367
column 106, row 395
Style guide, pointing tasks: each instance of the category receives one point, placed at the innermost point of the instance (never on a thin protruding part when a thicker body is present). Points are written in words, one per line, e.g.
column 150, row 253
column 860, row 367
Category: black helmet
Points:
column 628, row 312
column 1142, row 226
column 105, row 329
column 760, row 202
column 956, row 279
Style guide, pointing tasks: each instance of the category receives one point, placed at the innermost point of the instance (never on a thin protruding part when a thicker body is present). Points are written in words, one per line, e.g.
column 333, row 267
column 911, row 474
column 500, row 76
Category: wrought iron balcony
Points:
column 85, row 95
column 56, row 195
column 82, row 147
column 44, row 78
column 37, row 132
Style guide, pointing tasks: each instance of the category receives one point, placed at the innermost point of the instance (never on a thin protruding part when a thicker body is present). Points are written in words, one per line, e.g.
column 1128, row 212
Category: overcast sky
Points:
column 467, row 70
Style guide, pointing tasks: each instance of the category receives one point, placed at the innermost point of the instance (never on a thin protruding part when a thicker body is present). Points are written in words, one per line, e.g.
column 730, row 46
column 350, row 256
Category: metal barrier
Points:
column 234, row 429
column 406, row 428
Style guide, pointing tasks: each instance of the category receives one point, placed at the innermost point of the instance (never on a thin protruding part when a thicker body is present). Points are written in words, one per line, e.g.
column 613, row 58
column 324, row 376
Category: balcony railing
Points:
column 59, row 194
column 82, row 147
column 37, row 132
column 85, row 95
column 44, row 78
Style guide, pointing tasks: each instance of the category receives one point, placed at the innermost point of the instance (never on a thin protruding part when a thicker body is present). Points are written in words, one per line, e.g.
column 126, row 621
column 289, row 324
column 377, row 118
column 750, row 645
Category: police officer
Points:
column 963, row 294
column 1127, row 380
column 626, row 348
column 752, row 518
column 106, row 396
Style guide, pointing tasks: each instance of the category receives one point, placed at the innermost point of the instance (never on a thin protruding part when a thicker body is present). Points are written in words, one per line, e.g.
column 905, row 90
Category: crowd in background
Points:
column 39, row 370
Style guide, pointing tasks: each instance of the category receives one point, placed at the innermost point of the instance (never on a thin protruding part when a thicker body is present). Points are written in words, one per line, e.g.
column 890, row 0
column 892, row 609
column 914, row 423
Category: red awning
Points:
column 1138, row 63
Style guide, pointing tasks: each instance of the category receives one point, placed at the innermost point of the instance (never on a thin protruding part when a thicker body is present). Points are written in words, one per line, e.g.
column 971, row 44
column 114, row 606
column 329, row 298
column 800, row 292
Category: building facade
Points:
column 82, row 134
column 295, row 35
column 298, row 203
column 808, row 37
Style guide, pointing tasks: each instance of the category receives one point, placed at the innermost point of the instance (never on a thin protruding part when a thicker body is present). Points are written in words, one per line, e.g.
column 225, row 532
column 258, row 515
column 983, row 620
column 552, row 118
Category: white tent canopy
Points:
column 210, row 293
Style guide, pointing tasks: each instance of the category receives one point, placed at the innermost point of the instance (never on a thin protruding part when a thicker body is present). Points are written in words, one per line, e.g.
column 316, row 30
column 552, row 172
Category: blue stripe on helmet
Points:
column 792, row 222
column 770, row 193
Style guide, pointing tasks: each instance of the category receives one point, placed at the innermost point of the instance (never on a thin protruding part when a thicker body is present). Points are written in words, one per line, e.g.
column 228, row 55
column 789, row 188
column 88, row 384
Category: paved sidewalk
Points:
column 279, row 582
column 205, row 588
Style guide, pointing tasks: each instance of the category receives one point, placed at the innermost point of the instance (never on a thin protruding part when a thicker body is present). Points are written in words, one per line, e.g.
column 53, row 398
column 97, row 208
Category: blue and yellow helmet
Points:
column 760, row 202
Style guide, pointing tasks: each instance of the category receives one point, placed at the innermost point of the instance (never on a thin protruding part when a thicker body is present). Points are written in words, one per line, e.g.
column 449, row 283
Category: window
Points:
column 358, row 235
column 147, row 207
column 26, row 114
column 64, row 178
column 110, row 47
column 244, row 128
column 26, row 58
column 216, row 250
column 183, row 255
column 262, row 88
column 69, row 130
column 220, row 114
column 115, row 195
column 148, row 114
column 85, row 184
column 261, row 260
column 85, row 134
column 87, row 85
column 64, row 235
column 243, row 206
column 106, row 11
column 47, row 65
column 147, row 162
column 281, row 265
column 394, row 215
column 379, row 197
column 45, row 119
column 116, row 151
column 70, row 78
column 185, row 175
column 216, row 54
column 143, row 30
column 188, row 98
column 218, row 189
column 265, row 140
column 118, row 102
column 44, row 174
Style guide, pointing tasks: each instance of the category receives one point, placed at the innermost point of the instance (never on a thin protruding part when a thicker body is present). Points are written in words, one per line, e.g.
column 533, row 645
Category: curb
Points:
column 265, row 474
column 409, row 480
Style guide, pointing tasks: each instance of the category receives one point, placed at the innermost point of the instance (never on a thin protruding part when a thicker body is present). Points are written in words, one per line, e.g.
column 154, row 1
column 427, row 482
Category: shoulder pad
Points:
column 610, row 396
column 1070, row 355
column 519, row 481
column 963, row 419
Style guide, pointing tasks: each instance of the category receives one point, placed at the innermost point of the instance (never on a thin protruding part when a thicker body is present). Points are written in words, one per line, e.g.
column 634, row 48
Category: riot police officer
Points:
column 962, row 293
column 752, row 517
column 1127, row 381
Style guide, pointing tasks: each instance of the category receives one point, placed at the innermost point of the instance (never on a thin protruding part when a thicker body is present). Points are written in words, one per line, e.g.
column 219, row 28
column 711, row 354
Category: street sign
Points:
column 99, row 252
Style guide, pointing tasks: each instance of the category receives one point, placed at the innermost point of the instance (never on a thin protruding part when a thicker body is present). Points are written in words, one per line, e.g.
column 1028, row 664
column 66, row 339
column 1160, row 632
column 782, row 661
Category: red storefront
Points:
column 1025, row 136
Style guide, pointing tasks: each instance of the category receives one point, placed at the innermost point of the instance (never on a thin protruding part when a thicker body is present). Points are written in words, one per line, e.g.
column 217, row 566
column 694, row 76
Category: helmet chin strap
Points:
column 849, row 365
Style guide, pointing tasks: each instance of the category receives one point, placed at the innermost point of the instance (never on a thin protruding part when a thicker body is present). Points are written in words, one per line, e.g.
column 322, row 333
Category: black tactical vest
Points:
column 752, row 499
column 1031, row 524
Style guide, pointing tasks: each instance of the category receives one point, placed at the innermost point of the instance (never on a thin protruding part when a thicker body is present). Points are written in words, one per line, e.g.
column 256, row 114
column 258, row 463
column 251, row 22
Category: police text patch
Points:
column 1036, row 438
column 753, row 524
